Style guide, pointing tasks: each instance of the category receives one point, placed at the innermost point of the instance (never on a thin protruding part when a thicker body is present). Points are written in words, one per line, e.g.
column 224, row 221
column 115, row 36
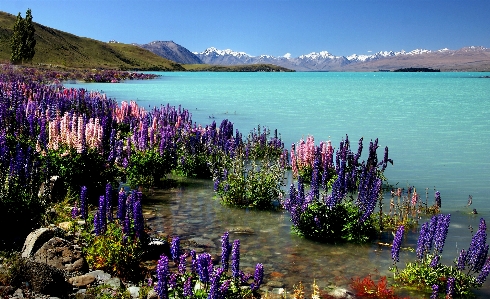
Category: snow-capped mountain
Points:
column 314, row 61
column 467, row 58
column 325, row 61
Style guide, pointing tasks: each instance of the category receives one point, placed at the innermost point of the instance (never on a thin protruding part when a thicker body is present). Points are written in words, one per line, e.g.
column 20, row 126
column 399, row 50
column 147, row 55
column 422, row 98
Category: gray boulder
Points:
column 42, row 278
column 35, row 240
column 61, row 254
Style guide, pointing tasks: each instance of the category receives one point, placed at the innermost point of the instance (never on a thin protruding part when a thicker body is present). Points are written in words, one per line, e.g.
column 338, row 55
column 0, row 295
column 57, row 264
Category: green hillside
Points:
column 58, row 48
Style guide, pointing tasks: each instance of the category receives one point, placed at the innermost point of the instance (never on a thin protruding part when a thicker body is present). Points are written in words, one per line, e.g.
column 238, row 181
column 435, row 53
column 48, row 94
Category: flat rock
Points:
column 81, row 281
column 61, row 254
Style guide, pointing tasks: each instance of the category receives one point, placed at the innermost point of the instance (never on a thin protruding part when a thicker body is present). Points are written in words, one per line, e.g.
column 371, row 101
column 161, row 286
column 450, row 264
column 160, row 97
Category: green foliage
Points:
column 337, row 224
column 112, row 252
column 88, row 169
column 22, row 41
column 16, row 40
column 194, row 158
column 251, row 183
column 423, row 276
column 146, row 168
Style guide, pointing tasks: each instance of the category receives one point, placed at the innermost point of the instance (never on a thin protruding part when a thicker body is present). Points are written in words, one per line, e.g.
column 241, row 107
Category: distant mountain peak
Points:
column 172, row 51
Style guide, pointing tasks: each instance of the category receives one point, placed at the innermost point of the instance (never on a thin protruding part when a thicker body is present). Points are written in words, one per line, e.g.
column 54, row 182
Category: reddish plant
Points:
column 367, row 288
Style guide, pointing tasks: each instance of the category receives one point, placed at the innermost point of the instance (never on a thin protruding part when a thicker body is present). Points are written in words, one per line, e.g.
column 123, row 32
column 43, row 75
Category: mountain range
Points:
column 464, row 59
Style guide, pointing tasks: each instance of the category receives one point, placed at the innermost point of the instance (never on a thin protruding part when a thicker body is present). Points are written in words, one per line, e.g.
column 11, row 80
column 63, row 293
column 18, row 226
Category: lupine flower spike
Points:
column 397, row 241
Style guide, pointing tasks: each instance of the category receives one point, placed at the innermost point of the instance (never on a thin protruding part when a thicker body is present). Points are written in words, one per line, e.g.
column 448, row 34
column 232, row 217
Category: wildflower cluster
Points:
column 249, row 174
column 203, row 277
column 337, row 215
column 470, row 269
column 117, row 243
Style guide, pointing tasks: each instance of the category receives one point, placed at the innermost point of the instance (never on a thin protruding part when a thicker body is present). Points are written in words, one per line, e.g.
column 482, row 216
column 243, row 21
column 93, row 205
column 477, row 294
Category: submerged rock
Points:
column 244, row 230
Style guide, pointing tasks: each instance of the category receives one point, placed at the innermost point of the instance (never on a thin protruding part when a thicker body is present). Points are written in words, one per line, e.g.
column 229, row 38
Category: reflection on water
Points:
column 191, row 212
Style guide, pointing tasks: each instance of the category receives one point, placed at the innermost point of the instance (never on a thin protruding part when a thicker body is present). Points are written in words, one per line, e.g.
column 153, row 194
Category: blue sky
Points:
column 274, row 27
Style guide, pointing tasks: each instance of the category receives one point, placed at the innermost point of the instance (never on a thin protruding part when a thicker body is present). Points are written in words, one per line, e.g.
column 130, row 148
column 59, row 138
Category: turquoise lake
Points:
column 436, row 126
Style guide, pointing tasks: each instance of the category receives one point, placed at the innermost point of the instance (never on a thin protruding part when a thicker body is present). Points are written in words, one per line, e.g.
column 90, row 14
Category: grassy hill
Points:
column 58, row 48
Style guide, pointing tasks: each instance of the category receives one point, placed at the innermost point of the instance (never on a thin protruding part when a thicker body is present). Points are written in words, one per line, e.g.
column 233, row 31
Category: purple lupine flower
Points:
column 139, row 225
column 182, row 263
column 435, row 292
column 397, row 241
column 478, row 250
column 175, row 248
column 435, row 261
column 188, row 287
column 101, row 217
column 121, row 207
column 223, row 289
column 484, row 273
column 83, row 202
column 162, row 275
column 108, row 201
column 244, row 277
column 450, row 287
column 75, row 211
column 235, row 259
column 318, row 223
column 216, row 184
column 172, row 282
column 421, row 245
column 258, row 277
column 437, row 197
column 462, row 260
column 441, row 231
column 431, row 232
column 225, row 251
column 193, row 261
column 214, row 288
column 203, row 266
column 126, row 225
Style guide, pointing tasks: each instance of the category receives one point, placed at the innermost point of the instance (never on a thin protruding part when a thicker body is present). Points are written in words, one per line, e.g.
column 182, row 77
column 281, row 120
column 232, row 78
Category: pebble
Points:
column 134, row 291
column 82, row 280
column 100, row 275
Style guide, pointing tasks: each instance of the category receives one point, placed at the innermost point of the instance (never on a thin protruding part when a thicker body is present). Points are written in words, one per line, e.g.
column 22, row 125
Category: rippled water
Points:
column 191, row 212
column 436, row 125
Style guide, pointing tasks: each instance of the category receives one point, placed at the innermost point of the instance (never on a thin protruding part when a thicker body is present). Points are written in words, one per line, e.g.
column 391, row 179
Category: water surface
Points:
column 436, row 125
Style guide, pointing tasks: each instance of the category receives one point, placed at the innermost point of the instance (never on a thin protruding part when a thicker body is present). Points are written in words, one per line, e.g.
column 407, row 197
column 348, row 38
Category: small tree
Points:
column 30, row 41
column 23, row 41
column 16, row 40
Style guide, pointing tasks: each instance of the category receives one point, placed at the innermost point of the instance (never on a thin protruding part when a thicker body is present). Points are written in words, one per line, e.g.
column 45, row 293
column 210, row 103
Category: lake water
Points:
column 436, row 125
